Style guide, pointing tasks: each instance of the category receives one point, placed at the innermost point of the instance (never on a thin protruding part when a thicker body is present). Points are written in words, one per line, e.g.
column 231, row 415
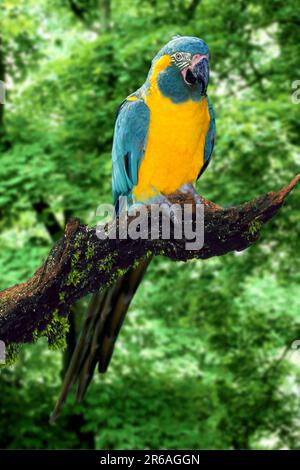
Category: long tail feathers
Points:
column 100, row 329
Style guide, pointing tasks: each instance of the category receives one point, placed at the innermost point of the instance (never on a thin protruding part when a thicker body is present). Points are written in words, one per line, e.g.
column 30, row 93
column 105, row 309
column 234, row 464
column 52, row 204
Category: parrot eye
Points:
column 182, row 59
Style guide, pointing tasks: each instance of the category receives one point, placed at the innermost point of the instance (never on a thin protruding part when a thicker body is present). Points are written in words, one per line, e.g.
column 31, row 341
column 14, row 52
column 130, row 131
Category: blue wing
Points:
column 209, row 139
column 130, row 139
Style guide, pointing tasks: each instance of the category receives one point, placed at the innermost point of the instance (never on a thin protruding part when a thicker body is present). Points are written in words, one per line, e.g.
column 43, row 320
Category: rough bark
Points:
column 81, row 263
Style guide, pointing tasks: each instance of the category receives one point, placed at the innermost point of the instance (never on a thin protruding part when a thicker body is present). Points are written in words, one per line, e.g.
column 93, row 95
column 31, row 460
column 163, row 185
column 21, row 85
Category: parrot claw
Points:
column 165, row 206
column 189, row 189
column 135, row 208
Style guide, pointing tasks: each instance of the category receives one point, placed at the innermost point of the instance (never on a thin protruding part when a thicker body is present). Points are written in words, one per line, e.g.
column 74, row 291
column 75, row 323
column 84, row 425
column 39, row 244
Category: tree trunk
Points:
column 106, row 14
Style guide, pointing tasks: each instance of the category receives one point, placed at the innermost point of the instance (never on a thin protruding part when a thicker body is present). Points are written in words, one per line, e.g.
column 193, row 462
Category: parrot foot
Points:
column 167, row 208
column 188, row 188
column 162, row 201
column 135, row 208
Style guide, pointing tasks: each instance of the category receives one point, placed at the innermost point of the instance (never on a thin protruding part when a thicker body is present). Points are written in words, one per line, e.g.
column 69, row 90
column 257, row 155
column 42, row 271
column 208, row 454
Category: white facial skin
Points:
column 185, row 61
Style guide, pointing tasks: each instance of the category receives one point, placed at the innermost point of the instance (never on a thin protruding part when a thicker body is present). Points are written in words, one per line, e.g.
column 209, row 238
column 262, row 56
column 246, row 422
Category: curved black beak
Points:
column 199, row 73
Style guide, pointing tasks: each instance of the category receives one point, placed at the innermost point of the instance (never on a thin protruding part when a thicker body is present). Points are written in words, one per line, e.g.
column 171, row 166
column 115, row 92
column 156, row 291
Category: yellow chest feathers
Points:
column 174, row 153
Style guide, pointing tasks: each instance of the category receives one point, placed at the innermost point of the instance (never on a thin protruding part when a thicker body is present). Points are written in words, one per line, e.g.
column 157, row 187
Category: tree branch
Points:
column 81, row 263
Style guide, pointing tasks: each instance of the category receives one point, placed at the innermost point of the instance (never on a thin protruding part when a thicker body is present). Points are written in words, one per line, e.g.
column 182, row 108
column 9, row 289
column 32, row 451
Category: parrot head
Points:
column 185, row 70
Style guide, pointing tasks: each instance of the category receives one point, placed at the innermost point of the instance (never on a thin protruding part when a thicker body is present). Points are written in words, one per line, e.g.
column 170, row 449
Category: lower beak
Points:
column 199, row 73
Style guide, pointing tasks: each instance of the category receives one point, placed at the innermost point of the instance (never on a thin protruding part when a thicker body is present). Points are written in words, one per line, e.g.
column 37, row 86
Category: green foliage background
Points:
column 204, row 359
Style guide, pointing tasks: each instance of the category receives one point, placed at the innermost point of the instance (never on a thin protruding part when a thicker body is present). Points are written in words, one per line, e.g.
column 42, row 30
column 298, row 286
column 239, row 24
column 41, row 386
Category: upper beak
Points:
column 198, row 71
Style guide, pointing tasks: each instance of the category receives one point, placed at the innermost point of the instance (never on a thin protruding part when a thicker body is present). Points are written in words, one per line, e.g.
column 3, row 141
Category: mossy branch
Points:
column 81, row 263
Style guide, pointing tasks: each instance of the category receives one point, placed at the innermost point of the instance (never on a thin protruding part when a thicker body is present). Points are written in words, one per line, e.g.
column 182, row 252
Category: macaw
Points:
column 163, row 141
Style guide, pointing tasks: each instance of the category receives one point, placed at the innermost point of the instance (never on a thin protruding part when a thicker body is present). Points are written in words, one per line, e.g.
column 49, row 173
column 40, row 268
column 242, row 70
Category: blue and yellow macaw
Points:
column 163, row 141
column 165, row 131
